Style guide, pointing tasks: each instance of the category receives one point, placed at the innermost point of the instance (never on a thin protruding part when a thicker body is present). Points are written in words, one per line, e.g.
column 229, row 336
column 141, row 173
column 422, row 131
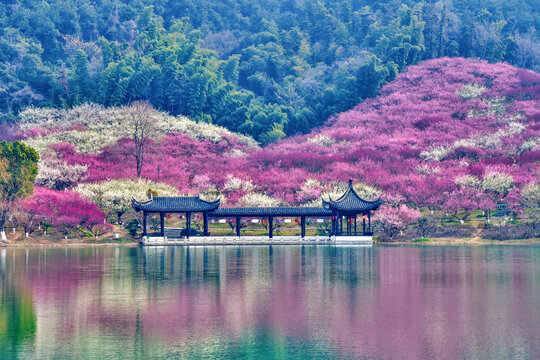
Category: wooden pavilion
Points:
column 346, row 209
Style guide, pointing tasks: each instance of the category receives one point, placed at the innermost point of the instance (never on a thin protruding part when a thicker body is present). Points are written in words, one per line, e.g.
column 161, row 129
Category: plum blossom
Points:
column 471, row 91
column 114, row 196
column 393, row 220
column 259, row 200
column 497, row 182
column 57, row 174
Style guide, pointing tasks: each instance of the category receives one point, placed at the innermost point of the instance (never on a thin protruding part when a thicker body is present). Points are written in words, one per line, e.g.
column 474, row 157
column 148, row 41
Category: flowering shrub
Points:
column 57, row 174
column 259, row 200
column 236, row 184
column 497, row 182
column 471, row 91
column 530, row 200
column 65, row 210
column 322, row 140
column 91, row 127
column 392, row 220
column 311, row 190
column 114, row 196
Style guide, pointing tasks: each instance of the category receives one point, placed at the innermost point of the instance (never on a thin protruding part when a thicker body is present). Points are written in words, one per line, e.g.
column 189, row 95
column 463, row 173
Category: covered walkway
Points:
column 343, row 214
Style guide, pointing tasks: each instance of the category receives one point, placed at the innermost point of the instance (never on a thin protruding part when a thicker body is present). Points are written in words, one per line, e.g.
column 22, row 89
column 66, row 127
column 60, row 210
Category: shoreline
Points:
column 462, row 243
column 466, row 242
column 435, row 242
column 67, row 245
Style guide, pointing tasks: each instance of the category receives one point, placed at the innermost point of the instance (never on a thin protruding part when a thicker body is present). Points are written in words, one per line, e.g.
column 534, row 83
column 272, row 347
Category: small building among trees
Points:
column 349, row 217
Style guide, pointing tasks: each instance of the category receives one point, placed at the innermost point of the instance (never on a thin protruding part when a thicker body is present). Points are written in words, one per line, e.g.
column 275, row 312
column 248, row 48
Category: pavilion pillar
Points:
column 144, row 224
column 355, row 216
column 205, row 226
column 336, row 232
column 238, row 226
column 270, row 227
column 188, row 224
column 303, row 226
column 369, row 218
column 364, row 225
column 162, row 224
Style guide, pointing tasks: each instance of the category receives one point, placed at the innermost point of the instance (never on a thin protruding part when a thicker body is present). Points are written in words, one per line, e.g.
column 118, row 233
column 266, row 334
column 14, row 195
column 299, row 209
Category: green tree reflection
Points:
column 17, row 322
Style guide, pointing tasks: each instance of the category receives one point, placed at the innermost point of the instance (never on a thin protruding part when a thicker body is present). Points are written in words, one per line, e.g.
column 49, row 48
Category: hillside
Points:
column 267, row 69
column 440, row 121
column 451, row 135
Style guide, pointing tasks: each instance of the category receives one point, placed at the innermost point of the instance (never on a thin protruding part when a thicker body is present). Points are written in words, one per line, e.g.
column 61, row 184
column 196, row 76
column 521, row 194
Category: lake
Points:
column 276, row 302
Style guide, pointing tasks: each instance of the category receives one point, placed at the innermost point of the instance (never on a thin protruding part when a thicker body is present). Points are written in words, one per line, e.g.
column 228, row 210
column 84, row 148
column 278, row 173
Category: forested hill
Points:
column 451, row 135
column 265, row 68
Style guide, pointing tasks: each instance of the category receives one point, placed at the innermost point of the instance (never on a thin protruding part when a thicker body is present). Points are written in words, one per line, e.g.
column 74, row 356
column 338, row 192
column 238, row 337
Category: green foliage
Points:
column 19, row 164
column 132, row 226
column 266, row 68
column 18, row 170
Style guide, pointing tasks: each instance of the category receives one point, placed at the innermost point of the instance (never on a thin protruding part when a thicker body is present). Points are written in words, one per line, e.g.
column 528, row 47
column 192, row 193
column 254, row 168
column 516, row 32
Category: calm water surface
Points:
column 271, row 302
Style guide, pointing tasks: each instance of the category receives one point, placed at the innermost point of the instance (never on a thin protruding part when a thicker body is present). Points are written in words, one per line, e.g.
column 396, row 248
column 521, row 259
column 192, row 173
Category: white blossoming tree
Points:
column 259, row 200
column 57, row 174
column 91, row 127
column 497, row 183
column 530, row 200
column 114, row 196
column 236, row 184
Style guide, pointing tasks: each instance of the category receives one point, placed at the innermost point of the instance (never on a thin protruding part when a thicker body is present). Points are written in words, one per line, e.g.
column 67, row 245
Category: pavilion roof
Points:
column 350, row 201
column 175, row 204
column 270, row 211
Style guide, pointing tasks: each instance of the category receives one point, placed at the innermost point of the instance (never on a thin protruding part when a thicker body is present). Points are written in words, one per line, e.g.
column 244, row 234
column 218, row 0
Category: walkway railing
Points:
column 196, row 240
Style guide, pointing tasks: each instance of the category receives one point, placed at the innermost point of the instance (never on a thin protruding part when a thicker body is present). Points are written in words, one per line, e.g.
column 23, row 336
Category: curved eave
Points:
column 181, row 205
column 138, row 205
column 215, row 202
column 365, row 205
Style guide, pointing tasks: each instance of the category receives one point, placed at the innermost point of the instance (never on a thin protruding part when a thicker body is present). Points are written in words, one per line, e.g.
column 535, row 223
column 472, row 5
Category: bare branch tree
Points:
column 140, row 127
column 528, row 50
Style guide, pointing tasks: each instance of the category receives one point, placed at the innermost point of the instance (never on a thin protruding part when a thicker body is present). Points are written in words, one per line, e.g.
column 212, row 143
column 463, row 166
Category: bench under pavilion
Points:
column 344, row 214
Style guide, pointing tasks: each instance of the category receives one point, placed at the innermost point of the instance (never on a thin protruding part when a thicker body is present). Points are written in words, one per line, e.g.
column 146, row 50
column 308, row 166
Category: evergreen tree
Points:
column 18, row 170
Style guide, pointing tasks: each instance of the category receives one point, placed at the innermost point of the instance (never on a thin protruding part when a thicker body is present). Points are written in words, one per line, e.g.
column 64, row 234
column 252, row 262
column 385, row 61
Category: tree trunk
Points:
column 138, row 166
column 3, row 237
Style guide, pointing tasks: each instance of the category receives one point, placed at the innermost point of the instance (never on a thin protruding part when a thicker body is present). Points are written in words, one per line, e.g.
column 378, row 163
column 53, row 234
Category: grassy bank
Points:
column 465, row 241
column 54, row 239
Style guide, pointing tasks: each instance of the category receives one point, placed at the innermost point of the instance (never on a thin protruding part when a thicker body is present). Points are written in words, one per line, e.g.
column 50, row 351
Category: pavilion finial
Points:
column 350, row 182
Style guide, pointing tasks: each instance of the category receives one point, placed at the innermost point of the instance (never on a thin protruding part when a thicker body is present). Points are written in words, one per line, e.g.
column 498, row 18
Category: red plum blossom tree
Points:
column 393, row 220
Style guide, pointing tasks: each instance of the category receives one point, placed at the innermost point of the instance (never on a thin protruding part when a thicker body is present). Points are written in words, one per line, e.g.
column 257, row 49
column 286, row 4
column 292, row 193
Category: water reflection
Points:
column 271, row 302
